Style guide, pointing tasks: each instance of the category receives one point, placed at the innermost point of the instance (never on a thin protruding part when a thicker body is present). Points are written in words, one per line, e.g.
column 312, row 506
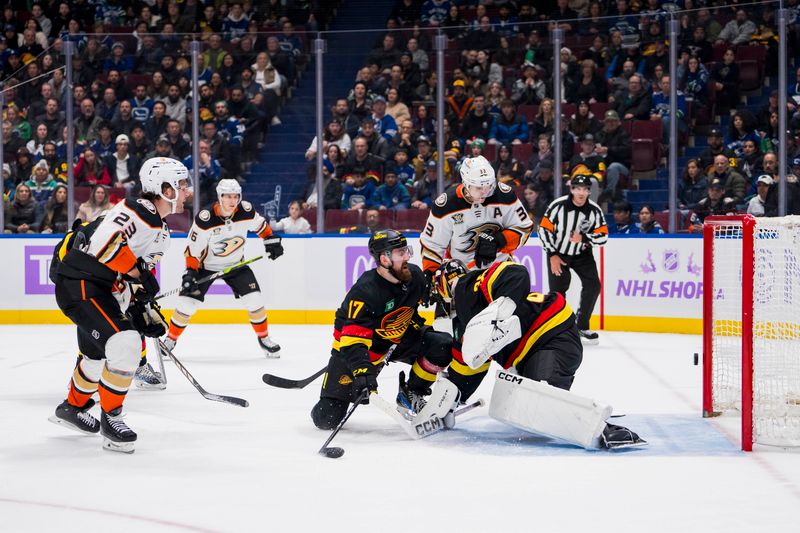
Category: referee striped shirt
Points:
column 563, row 217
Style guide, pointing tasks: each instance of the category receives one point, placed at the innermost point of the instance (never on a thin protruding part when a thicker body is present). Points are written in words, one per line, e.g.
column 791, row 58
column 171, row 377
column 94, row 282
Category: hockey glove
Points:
column 489, row 243
column 189, row 286
column 273, row 247
column 429, row 294
column 365, row 377
column 147, row 319
column 148, row 282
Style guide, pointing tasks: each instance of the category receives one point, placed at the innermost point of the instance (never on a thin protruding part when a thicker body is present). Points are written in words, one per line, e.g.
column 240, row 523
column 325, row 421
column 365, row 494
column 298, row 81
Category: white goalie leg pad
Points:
column 442, row 399
column 253, row 301
column 490, row 331
column 541, row 408
column 123, row 351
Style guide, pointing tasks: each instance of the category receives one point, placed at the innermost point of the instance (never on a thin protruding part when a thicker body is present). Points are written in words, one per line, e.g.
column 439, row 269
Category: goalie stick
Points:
column 207, row 395
column 212, row 277
column 286, row 383
column 418, row 430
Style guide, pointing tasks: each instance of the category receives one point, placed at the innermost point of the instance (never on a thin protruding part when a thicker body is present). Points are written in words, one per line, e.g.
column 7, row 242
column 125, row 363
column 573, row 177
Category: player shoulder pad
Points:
column 245, row 213
column 504, row 194
column 441, row 200
column 447, row 203
column 204, row 219
column 145, row 210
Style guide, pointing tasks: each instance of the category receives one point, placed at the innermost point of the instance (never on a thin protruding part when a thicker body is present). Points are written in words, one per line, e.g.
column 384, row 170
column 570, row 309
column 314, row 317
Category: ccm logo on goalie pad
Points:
column 509, row 377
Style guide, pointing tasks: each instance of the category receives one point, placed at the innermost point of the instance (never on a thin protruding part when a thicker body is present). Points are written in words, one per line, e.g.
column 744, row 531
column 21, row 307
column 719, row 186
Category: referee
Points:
column 570, row 227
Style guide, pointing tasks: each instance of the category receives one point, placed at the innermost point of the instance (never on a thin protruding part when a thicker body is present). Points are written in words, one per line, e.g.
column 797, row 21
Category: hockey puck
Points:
column 696, row 359
column 333, row 452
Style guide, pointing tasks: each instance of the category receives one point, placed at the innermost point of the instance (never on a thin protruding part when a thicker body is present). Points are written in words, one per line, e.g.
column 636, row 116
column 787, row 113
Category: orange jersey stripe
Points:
column 104, row 315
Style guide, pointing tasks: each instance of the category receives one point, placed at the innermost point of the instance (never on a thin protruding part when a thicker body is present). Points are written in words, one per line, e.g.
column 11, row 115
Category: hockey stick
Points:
column 207, row 395
column 161, row 364
column 212, row 277
column 286, row 383
column 334, row 452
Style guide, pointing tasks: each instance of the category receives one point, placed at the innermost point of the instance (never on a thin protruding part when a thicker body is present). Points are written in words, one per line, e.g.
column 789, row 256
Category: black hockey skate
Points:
column 117, row 436
column 615, row 437
column 410, row 402
column 76, row 418
column 148, row 379
column 589, row 337
column 271, row 348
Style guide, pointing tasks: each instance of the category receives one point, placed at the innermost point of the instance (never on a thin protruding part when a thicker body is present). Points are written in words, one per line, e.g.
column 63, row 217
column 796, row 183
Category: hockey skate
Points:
column 271, row 348
column 148, row 379
column 410, row 402
column 615, row 437
column 76, row 418
column 117, row 436
column 169, row 344
column 589, row 337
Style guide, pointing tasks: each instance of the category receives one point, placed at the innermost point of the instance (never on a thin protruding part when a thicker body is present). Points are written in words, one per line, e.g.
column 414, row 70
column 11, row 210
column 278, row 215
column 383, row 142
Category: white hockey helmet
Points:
column 159, row 170
column 228, row 186
column 478, row 177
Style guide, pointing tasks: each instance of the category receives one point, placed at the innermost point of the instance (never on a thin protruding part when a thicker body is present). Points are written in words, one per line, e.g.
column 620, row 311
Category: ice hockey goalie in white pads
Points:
column 541, row 408
column 490, row 331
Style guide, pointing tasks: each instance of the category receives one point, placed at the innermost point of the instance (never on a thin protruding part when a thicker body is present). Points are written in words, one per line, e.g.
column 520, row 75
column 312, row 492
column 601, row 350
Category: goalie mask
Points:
column 444, row 277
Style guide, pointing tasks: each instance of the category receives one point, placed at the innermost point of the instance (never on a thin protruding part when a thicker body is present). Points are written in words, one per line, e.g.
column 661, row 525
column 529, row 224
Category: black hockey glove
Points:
column 189, row 286
column 429, row 294
column 489, row 243
column 273, row 247
column 365, row 377
column 146, row 318
column 148, row 282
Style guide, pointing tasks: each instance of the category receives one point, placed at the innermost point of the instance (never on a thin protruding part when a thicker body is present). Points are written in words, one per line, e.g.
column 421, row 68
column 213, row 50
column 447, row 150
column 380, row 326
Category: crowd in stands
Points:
column 380, row 148
column 132, row 94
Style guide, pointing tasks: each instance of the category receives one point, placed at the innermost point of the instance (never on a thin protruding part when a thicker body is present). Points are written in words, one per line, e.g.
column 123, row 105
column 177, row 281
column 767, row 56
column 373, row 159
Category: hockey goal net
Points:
column 751, row 325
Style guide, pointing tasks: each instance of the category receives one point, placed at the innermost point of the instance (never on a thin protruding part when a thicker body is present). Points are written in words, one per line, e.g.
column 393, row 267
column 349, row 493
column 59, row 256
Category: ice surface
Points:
column 206, row 466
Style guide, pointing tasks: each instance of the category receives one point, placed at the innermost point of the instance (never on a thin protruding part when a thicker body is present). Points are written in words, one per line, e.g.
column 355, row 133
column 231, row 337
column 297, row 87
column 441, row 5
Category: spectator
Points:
column 36, row 145
column 118, row 60
column 377, row 145
column 384, row 124
column 588, row 163
column 234, row 26
column 392, row 194
column 458, row 104
column 139, row 144
column 426, row 154
column 359, row 101
column 87, row 125
column 623, row 222
column 341, row 112
column 764, row 115
column 331, row 192
column 543, row 153
column 737, row 31
column 210, row 171
column 484, row 38
column 156, row 125
column 434, row 12
column 528, row 90
column 692, row 187
column 387, row 55
column 359, row 193
column 534, row 203
column 406, row 138
column 123, row 122
column 757, row 205
column 22, row 212
column 395, row 108
column 588, row 86
column 618, row 82
column 725, row 76
column 647, row 222
column 360, row 158
column 104, row 144
column 792, row 196
column 662, row 110
column 107, row 108
column 212, row 56
column 405, row 172
column 141, row 104
column 406, row 12
column 453, row 25
column 544, row 177
column 633, row 103
column 694, row 84
column 508, row 128
column 742, row 129
column 478, row 121
column 334, row 135
column 583, row 121
column 507, row 55
column 90, row 170
column 715, row 202
column 613, row 143
column 19, row 125
column 716, row 147
column 425, row 188
column 734, row 183
column 507, row 168
column 751, row 164
column 122, row 167
column 423, row 123
column 55, row 218
column 411, row 74
column 418, row 55
column 52, row 118
column 295, row 223
column 41, row 182
column 544, row 122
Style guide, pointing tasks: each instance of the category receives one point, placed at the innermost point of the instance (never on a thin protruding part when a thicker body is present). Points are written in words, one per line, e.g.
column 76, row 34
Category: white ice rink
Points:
column 206, row 466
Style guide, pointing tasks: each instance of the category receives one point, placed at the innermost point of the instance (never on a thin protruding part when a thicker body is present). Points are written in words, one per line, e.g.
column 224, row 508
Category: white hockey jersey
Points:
column 454, row 225
column 217, row 242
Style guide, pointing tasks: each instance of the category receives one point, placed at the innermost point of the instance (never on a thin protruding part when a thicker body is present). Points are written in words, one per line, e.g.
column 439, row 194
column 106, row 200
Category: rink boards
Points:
column 649, row 283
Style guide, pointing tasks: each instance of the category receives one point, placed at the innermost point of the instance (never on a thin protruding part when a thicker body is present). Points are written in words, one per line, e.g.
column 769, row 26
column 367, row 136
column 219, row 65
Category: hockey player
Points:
column 216, row 241
column 92, row 289
column 495, row 316
column 477, row 222
column 377, row 320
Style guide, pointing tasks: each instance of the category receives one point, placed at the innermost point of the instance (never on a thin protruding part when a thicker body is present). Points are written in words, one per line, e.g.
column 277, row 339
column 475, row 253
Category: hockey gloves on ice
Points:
column 189, row 286
column 489, row 243
column 429, row 294
column 148, row 282
column 273, row 247
column 365, row 377
column 146, row 317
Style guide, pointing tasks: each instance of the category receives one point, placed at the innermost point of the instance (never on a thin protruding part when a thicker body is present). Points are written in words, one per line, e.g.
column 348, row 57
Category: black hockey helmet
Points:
column 443, row 277
column 385, row 240
column 581, row 180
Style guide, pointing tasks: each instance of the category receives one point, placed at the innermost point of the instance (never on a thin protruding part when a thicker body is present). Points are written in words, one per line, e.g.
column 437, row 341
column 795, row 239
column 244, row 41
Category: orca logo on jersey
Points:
column 228, row 246
column 395, row 324
column 473, row 233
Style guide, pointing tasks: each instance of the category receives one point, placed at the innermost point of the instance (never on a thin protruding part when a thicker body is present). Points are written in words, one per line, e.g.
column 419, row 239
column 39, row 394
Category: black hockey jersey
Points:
column 376, row 314
column 542, row 316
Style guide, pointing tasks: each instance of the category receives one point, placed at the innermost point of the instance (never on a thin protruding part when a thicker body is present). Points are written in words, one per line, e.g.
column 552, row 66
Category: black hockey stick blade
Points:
column 207, row 395
column 334, row 452
column 286, row 383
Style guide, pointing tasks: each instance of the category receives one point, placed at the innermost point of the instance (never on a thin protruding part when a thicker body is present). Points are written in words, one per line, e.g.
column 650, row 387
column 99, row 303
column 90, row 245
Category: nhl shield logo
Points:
column 671, row 260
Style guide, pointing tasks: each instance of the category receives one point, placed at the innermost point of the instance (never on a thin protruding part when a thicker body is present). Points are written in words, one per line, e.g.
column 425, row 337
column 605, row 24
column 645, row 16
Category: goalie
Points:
column 495, row 316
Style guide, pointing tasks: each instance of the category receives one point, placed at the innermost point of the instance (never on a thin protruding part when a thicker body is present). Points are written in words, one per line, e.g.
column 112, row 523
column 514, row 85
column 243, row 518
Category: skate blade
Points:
column 149, row 386
column 272, row 355
column 63, row 423
column 122, row 447
column 590, row 342
column 621, row 445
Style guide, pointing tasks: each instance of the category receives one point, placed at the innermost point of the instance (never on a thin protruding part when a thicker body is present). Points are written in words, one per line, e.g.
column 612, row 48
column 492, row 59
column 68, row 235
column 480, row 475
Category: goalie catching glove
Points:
column 146, row 317
column 489, row 243
column 490, row 331
column 273, row 247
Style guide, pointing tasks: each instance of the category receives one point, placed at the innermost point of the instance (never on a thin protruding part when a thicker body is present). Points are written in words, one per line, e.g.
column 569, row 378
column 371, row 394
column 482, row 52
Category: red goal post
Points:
column 751, row 325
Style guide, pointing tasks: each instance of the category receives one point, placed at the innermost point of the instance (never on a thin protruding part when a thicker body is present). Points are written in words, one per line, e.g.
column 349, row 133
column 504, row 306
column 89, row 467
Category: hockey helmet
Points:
column 157, row 171
column 581, row 180
column 477, row 175
column 444, row 276
column 384, row 241
column 228, row 186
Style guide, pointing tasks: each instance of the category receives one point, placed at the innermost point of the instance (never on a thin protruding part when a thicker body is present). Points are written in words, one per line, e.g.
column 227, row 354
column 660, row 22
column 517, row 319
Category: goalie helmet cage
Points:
column 751, row 325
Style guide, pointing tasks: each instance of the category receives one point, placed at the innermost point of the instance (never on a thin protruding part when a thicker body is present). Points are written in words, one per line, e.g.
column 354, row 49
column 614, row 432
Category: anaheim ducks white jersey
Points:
column 216, row 242
column 454, row 225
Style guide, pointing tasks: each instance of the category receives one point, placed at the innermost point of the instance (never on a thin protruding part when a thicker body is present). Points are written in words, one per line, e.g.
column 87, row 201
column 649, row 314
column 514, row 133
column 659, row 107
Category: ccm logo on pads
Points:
column 509, row 377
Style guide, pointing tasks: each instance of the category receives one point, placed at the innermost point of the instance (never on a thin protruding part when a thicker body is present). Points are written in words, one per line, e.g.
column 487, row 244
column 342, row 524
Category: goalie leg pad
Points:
column 541, row 408
column 443, row 398
column 490, row 331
